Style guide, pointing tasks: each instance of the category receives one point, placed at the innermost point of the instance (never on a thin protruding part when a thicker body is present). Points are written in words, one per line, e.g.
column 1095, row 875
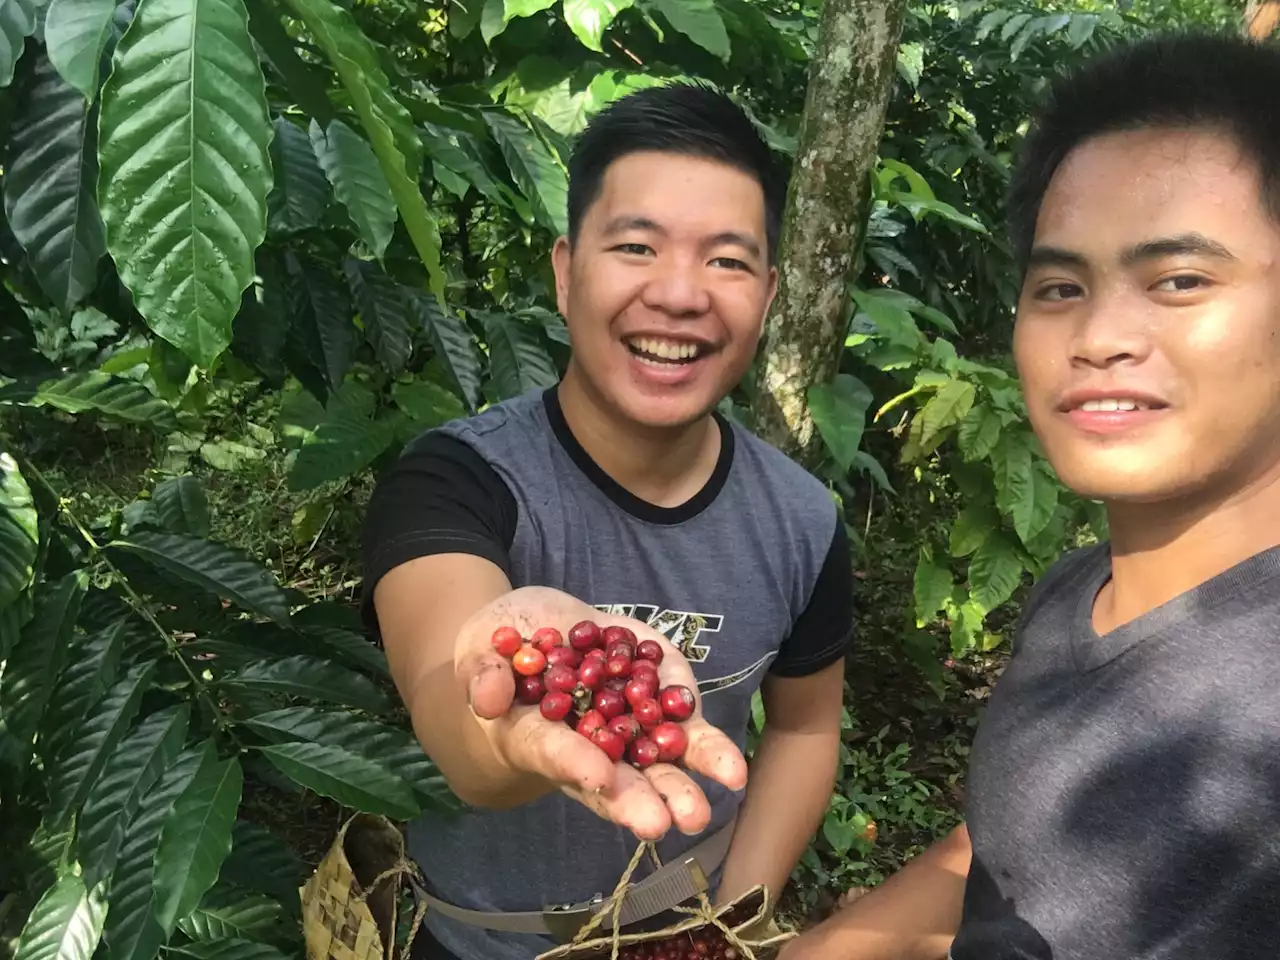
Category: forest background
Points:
column 242, row 265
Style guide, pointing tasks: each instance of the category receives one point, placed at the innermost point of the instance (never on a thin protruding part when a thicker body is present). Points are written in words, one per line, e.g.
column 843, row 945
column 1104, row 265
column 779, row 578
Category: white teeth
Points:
column 1111, row 405
column 666, row 349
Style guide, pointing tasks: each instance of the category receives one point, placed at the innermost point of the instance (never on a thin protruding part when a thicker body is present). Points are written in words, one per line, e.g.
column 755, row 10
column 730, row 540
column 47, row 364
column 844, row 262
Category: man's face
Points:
column 666, row 287
column 1148, row 331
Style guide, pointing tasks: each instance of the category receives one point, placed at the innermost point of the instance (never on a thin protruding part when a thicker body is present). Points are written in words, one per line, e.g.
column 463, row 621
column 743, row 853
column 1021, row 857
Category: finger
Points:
column 711, row 753
column 491, row 686
column 631, row 802
column 690, row 810
column 554, row 752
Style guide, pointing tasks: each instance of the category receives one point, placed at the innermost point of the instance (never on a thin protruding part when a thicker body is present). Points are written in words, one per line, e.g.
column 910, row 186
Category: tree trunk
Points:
column 1261, row 18
column 850, row 79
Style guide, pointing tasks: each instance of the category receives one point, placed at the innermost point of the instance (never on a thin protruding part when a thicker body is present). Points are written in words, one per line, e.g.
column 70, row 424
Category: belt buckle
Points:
column 564, row 920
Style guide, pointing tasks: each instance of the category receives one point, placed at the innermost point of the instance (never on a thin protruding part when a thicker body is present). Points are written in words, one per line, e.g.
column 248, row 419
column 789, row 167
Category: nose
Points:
column 676, row 286
column 1110, row 333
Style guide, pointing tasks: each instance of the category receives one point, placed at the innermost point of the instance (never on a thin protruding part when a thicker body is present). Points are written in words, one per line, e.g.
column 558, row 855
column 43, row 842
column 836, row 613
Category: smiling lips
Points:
column 1097, row 413
column 662, row 350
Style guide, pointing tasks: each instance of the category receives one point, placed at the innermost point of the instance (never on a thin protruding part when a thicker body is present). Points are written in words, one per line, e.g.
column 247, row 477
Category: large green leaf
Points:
column 518, row 361
column 947, row 407
column 453, row 346
column 931, row 589
column 994, row 572
column 263, row 863
column 343, row 445
column 133, row 768
column 230, row 948
column 427, row 404
column 19, row 535
column 196, row 838
column 700, row 21
column 305, row 676
column 223, row 571
column 29, row 675
column 181, row 506
column 65, row 925
column 76, row 34
column 322, row 328
column 97, row 735
column 225, row 912
column 385, row 120
column 49, row 183
column 93, row 665
column 1015, row 482
column 589, row 19
column 132, row 931
column 185, row 167
column 972, row 527
column 358, row 182
column 978, row 433
column 839, row 410
column 395, row 750
column 384, row 310
column 18, row 20
column 535, row 169
column 299, row 192
column 345, row 777
column 459, row 152
column 110, row 396
column 1044, row 503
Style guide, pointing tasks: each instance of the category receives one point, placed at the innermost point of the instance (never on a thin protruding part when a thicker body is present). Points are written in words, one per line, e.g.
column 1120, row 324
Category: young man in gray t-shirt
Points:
column 1124, row 785
column 621, row 496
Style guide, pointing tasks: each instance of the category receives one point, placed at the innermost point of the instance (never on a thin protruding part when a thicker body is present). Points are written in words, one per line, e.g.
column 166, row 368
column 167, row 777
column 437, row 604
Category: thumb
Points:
column 491, row 686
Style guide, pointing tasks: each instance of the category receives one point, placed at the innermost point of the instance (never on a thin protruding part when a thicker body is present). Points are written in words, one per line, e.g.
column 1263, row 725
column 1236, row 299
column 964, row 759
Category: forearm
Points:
column 423, row 657
column 788, row 790
column 911, row 916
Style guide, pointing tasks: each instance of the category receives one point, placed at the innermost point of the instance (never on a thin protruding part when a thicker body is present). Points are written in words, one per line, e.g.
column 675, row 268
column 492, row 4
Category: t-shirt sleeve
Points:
column 439, row 497
column 823, row 633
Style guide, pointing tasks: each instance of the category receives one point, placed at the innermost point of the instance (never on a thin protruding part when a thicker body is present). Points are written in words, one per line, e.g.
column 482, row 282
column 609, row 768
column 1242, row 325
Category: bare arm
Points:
column 436, row 615
column 792, row 775
column 913, row 915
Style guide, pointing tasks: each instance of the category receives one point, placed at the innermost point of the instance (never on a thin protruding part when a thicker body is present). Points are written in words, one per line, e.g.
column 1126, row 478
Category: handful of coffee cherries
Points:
column 604, row 684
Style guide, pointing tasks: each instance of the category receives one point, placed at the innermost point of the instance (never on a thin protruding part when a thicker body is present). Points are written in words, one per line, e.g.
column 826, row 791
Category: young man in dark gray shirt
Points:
column 1124, row 788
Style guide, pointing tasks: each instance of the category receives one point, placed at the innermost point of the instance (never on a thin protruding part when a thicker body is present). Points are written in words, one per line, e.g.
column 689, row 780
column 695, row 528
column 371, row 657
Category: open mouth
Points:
column 1116, row 405
column 663, row 352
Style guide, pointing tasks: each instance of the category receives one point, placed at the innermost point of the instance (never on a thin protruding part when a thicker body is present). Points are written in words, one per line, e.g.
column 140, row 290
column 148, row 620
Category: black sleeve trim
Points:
column 823, row 633
column 439, row 497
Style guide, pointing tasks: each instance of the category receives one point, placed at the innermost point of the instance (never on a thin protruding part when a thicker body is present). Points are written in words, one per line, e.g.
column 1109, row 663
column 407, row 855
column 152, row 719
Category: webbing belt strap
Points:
column 666, row 887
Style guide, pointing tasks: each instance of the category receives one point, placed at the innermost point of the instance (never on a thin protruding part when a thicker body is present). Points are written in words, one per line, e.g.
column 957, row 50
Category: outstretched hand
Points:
column 647, row 802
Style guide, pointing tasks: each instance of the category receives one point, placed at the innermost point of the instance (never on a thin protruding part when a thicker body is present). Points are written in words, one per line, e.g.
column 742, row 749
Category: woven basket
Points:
column 349, row 904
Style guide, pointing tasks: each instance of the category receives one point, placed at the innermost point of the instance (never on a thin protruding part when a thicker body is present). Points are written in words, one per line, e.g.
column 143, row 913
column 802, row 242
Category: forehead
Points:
column 1130, row 185
column 676, row 190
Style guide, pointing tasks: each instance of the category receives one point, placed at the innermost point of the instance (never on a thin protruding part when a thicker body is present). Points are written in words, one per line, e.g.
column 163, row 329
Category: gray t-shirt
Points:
column 750, row 576
column 1124, row 790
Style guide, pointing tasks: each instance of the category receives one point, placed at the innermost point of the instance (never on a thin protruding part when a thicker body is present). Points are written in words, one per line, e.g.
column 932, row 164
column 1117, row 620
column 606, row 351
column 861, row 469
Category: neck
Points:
column 663, row 466
column 1162, row 550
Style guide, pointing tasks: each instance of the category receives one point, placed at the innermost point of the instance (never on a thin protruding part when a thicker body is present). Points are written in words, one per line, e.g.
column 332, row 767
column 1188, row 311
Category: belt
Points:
column 668, row 886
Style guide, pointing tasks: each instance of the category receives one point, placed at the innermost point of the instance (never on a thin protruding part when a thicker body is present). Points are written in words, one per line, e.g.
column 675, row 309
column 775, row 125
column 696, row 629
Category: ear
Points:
column 773, row 290
column 562, row 265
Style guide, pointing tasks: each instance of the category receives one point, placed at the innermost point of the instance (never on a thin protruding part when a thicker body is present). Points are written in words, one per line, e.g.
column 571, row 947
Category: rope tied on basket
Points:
column 704, row 911
column 402, row 868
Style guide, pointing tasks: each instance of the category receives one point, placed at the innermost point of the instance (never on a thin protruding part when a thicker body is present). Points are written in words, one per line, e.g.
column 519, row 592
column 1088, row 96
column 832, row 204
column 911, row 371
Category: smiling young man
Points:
column 621, row 495
column 1124, row 787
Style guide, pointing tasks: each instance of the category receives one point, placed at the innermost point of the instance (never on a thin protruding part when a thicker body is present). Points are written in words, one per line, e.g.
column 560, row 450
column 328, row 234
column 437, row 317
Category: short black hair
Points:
column 687, row 117
column 1176, row 80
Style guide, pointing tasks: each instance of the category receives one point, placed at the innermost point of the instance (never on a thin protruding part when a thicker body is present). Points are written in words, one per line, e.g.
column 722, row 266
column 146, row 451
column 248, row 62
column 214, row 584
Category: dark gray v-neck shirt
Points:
column 1124, row 790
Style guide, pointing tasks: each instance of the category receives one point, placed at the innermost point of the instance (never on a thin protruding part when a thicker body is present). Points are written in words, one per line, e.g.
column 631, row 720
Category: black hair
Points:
column 1176, row 80
column 689, row 118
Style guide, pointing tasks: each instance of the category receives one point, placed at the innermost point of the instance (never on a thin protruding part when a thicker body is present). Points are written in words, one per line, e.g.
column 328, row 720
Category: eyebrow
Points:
column 624, row 223
column 1180, row 245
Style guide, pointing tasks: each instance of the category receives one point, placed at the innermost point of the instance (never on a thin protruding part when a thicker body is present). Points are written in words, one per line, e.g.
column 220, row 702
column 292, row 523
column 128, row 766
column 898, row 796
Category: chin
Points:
column 1135, row 483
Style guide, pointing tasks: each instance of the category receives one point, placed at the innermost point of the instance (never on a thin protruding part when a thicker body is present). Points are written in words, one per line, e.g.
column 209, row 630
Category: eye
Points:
column 1182, row 283
column 1057, row 292
column 729, row 263
column 635, row 249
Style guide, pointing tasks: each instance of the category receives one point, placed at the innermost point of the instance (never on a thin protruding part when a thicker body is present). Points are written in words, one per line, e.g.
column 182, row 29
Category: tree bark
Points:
column 850, row 79
column 1262, row 18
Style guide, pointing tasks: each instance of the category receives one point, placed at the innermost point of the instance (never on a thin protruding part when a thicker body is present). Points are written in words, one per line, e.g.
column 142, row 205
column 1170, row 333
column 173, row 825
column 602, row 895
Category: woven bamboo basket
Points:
column 349, row 904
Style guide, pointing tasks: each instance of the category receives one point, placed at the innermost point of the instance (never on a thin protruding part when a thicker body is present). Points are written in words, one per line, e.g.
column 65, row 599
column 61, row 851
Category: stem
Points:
column 136, row 603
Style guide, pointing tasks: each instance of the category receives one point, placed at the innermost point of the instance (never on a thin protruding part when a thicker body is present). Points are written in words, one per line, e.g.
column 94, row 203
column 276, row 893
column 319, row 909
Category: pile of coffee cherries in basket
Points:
column 700, row 945
column 604, row 684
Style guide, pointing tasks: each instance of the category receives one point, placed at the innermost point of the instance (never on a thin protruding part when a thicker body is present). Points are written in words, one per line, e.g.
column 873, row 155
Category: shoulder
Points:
column 1062, row 582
